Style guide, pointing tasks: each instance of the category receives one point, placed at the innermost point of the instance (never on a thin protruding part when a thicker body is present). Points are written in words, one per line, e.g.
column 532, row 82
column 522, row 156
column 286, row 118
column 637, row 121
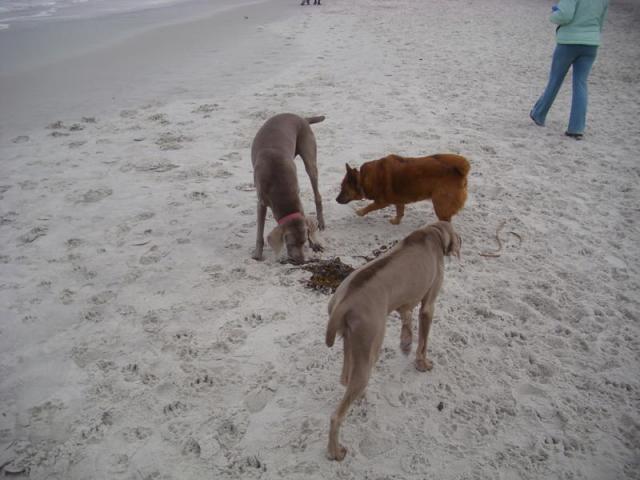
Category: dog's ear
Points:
column 275, row 239
column 351, row 171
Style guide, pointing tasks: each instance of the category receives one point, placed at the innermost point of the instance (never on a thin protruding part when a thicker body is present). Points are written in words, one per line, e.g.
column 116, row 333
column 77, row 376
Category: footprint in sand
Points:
column 172, row 141
column 202, row 382
column 58, row 134
column 191, row 448
column 136, row 434
column 153, row 322
column 153, row 255
column 160, row 118
column 91, row 196
column 231, row 156
column 415, row 463
column 4, row 189
column 57, row 125
column 206, row 108
column 28, row 185
column 21, row 139
column 373, row 445
column 66, row 296
column 103, row 297
column 247, row 187
column 231, row 430
column 32, row 235
column 244, row 466
column 257, row 400
column 128, row 113
column 174, row 409
column 133, row 373
column 84, row 272
column 117, row 463
column 92, row 315
column 155, row 167
column 197, row 196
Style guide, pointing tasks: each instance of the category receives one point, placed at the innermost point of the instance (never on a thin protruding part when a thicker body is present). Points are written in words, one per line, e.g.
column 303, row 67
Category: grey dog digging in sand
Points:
column 273, row 150
column 409, row 274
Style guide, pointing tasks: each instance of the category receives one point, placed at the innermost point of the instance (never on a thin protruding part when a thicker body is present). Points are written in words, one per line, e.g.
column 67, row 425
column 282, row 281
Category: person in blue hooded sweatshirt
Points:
column 578, row 38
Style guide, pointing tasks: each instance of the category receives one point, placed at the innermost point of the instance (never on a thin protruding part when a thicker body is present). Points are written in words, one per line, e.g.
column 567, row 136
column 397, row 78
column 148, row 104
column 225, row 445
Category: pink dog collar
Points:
column 288, row 218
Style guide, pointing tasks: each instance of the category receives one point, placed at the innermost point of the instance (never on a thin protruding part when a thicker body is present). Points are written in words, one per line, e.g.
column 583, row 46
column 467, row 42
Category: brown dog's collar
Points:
column 288, row 218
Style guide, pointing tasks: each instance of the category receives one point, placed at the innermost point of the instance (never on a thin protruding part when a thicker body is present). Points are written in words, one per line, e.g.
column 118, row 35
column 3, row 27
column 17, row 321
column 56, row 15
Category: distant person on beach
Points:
column 315, row 2
column 578, row 37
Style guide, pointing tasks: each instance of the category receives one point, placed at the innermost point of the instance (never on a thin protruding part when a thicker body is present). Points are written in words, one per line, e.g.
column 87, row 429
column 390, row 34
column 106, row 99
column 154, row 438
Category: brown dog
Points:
column 396, row 180
column 409, row 274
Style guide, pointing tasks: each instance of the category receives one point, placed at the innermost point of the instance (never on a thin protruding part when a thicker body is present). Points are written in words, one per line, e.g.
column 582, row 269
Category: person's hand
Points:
column 554, row 8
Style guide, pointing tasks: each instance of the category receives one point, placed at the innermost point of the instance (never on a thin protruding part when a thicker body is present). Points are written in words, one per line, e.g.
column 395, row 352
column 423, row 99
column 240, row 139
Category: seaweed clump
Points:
column 327, row 275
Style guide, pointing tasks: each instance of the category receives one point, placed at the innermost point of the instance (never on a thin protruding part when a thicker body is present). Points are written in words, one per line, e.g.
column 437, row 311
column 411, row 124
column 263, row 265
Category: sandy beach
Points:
column 139, row 340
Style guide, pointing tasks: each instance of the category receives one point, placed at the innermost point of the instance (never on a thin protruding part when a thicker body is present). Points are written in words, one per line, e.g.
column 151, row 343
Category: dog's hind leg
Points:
column 346, row 364
column 262, row 214
column 308, row 150
column 426, row 316
column 358, row 379
column 447, row 203
column 406, row 334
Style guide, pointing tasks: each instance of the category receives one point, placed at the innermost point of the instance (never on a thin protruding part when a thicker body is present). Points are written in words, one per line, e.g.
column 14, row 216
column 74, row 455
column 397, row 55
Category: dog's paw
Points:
column 256, row 255
column 321, row 224
column 338, row 454
column 316, row 247
column 361, row 212
column 395, row 221
column 423, row 364
column 405, row 345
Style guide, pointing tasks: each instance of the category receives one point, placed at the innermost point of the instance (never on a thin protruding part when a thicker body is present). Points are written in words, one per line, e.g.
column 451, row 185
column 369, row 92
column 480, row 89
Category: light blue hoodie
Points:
column 580, row 21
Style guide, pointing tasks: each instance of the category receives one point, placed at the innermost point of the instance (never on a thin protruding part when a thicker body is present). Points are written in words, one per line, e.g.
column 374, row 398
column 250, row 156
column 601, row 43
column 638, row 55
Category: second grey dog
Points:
column 273, row 150
column 411, row 273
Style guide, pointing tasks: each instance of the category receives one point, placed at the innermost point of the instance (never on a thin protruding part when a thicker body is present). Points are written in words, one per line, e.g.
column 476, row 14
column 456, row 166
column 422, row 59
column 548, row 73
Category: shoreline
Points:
column 109, row 75
column 31, row 43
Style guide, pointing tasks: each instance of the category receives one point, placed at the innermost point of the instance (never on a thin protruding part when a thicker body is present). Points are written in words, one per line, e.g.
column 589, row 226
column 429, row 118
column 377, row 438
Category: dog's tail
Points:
column 335, row 326
column 317, row 119
column 458, row 162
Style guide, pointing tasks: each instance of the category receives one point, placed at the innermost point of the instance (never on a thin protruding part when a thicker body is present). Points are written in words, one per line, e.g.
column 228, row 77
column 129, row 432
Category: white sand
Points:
column 139, row 340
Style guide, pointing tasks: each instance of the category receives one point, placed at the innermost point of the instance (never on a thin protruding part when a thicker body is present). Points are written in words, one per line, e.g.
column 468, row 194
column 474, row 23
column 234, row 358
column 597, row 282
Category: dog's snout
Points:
column 341, row 199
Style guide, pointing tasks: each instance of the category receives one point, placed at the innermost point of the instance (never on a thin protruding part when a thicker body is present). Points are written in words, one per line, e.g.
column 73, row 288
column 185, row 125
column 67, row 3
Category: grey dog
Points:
column 274, row 148
column 409, row 274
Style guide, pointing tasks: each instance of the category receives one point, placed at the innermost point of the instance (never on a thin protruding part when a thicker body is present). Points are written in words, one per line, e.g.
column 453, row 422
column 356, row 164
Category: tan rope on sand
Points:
column 497, row 252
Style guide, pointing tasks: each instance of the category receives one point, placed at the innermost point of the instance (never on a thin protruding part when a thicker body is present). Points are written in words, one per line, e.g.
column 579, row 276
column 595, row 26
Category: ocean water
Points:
column 18, row 11
column 38, row 32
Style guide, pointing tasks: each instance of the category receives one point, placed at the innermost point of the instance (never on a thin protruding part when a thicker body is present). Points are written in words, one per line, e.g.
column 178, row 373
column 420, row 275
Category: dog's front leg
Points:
column 262, row 214
column 312, row 235
column 370, row 208
column 312, row 171
column 399, row 214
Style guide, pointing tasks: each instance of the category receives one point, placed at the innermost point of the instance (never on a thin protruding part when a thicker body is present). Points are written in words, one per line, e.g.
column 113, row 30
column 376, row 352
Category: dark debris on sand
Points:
column 327, row 275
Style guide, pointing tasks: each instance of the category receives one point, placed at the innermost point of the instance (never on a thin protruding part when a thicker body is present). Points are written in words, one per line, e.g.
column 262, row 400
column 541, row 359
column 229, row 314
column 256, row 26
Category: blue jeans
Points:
column 581, row 57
